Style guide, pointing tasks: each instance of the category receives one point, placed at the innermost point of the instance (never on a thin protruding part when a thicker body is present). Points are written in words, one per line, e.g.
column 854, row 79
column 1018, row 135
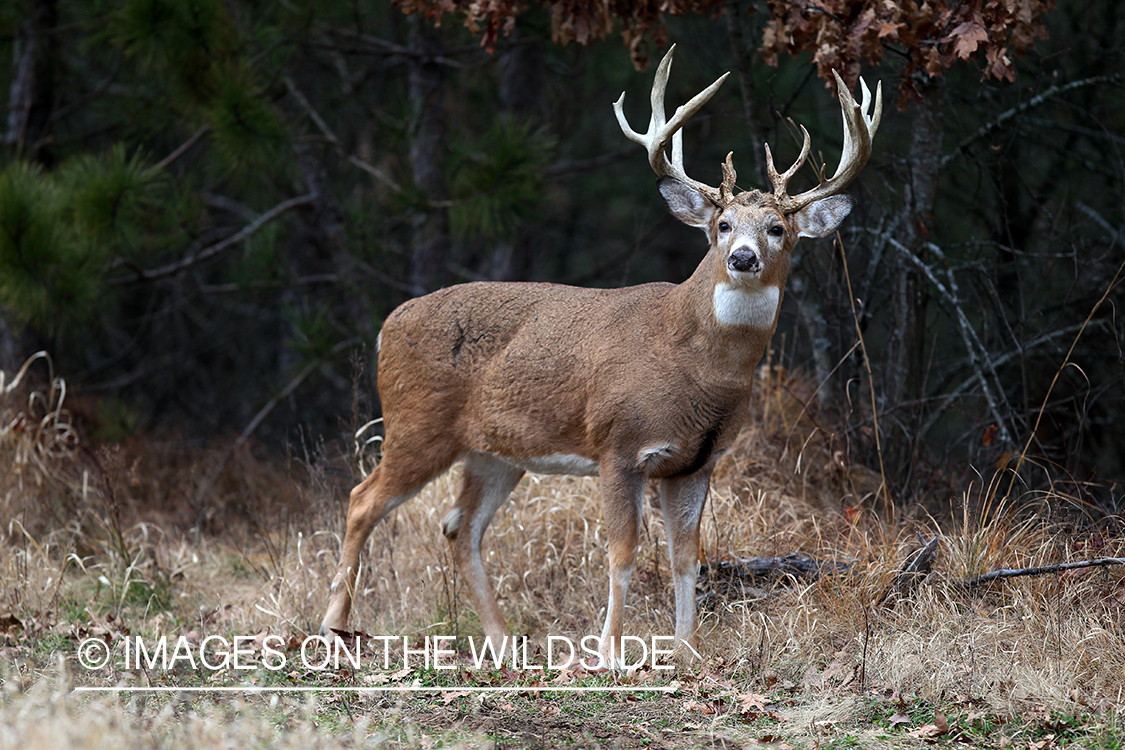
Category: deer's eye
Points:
column 724, row 227
column 776, row 230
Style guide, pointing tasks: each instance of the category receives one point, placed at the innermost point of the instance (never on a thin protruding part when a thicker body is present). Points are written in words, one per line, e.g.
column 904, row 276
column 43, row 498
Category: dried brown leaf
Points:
column 966, row 37
column 747, row 701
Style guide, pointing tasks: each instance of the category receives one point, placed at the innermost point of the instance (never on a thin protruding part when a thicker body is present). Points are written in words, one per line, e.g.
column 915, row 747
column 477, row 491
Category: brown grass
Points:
column 152, row 538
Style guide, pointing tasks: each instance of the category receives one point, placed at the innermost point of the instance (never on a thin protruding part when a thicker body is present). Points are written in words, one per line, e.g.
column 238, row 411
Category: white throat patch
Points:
column 743, row 306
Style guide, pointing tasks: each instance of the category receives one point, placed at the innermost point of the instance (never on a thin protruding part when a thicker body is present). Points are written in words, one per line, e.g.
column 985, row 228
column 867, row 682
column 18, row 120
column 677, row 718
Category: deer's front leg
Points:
column 622, row 500
column 682, row 500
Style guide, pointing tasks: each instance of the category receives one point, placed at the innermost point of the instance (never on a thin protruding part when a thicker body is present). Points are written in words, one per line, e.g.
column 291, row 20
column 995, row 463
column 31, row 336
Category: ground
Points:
column 153, row 538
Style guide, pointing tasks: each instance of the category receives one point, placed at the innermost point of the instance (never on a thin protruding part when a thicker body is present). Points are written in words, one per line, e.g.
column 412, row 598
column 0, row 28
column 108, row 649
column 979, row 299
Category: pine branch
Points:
column 211, row 251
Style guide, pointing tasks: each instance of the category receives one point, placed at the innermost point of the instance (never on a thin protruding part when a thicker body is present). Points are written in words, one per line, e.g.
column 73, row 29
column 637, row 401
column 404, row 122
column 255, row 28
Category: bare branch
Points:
column 989, row 128
column 383, row 47
column 379, row 174
column 311, row 112
column 183, row 148
column 229, row 204
column 310, row 280
column 997, row 361
column 792, row 565
column 996, row 575
column 563, row 168
column 1100, row 220
column 978, row 354
column 1066, row 360
column 264, row 412
column 211, row 251
column 796, row 567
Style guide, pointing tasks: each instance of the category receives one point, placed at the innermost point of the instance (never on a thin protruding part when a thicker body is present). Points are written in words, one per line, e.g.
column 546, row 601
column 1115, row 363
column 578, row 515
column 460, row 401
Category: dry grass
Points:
column 150, row 538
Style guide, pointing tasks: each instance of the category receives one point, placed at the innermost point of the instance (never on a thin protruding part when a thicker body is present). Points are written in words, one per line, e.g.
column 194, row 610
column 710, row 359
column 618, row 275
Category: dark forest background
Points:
column 207, row 207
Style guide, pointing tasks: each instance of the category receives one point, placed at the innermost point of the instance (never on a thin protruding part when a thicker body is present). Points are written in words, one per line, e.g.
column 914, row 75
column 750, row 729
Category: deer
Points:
column 648, row 382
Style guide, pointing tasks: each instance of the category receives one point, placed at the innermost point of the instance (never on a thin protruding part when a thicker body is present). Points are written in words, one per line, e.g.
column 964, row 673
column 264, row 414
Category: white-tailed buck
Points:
column 646, row 382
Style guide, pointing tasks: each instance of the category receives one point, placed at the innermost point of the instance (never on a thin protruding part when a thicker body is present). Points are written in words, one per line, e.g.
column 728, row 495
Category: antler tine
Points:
column 780, row 181
column 876, row 116
column 859, row 129
column 661, row 131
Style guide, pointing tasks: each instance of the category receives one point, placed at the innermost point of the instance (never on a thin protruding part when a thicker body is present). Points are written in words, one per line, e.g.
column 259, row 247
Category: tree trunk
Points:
column 521, row 78
column 521, row 87
column 32, row 93
column 431, row 239
column 30, row 102
column 905, row 364
column 744, row 53
column 906, row 355
column 12, row 354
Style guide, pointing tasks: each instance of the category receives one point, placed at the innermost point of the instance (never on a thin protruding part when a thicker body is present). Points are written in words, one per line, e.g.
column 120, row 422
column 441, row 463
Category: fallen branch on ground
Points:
column 798, row 567
column 755, row 571
column 917, row 568
column 1040, row 570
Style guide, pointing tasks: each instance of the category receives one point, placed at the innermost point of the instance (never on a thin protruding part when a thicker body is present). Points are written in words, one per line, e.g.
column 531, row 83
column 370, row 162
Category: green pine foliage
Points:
column 259, row 266
column 246, row 131
column 49, row 268
column 172, row 284
column 110, row 196
column 182, row 38
column 59, row 230
column 313, row 331
column 197, row 46
column 498, row 180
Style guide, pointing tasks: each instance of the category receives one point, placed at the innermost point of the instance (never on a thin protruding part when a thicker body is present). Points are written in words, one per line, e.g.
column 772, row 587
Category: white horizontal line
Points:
column 401, row 689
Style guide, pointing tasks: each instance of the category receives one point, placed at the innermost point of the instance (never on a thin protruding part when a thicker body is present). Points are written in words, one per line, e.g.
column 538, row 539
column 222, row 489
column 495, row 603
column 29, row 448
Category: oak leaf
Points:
column 966, row 37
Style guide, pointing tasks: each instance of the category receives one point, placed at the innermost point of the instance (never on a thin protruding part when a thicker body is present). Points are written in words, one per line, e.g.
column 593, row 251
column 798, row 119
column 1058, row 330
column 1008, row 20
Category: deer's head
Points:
column 753, row 232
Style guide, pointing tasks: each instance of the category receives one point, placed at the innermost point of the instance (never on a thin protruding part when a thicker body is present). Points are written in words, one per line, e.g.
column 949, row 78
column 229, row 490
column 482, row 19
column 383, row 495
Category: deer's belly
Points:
column 558, row 463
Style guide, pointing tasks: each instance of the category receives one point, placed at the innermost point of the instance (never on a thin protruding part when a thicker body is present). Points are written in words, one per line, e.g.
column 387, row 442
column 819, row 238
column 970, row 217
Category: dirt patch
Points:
column 539, row 724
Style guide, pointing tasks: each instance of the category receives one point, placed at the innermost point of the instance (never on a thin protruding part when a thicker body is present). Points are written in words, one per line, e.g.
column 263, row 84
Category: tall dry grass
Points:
column 162, row 544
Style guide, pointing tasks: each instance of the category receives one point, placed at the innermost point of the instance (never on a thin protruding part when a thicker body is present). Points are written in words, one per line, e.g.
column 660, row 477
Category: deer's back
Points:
column 499, row 364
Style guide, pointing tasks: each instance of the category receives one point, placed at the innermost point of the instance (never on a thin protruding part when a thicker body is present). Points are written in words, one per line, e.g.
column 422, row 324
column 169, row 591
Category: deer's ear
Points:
column 686, row 203
column 821, row 218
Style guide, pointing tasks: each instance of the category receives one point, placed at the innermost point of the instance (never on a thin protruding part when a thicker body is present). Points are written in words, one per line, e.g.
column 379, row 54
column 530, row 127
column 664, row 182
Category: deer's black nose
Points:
column 744, row 260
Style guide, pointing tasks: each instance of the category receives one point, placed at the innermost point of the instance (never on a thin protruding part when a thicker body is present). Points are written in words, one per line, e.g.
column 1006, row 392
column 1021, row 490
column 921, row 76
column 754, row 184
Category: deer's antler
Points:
column 660, row 130
column 859, row 129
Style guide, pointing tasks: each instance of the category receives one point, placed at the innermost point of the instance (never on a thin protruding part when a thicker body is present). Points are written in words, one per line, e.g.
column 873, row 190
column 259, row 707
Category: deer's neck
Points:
column 727, row 323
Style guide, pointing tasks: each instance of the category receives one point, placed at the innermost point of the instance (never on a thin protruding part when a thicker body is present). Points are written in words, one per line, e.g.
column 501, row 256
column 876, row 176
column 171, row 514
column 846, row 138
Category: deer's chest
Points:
column 754, row 307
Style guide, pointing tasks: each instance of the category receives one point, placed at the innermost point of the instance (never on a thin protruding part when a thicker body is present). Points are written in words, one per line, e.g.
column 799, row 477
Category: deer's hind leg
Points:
column 486, row 485
column 401, row 474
